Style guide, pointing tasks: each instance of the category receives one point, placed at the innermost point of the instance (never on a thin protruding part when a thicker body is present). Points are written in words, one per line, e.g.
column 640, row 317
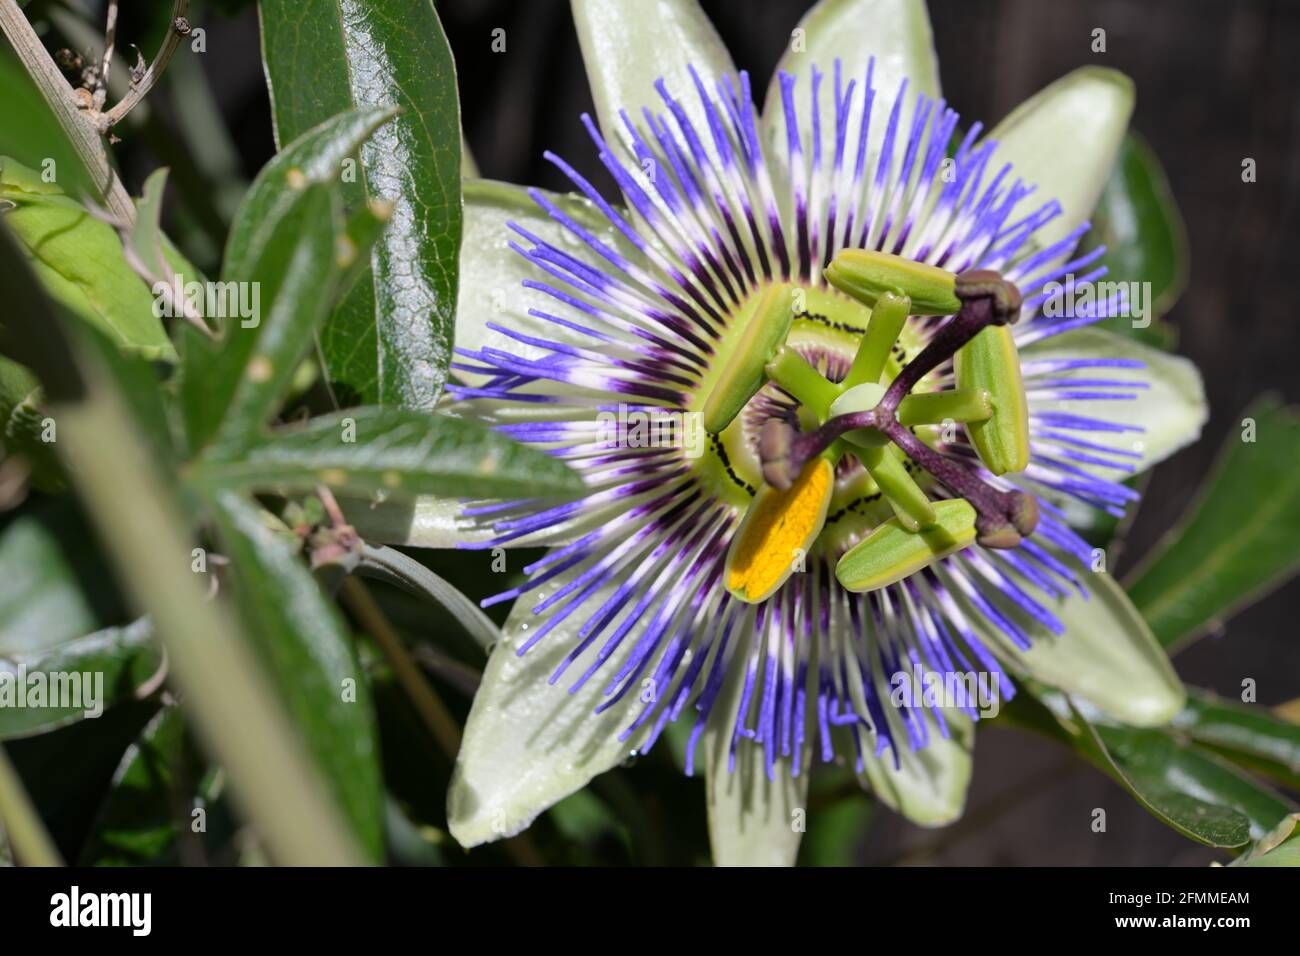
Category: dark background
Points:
column 1217, row 80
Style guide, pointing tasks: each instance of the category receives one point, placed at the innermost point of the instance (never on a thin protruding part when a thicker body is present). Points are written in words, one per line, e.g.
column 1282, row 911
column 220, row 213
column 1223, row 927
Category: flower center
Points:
column 825, row 391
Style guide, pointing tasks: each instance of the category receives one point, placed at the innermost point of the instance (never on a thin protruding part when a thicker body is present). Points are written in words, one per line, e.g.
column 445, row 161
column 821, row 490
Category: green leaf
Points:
column 1247, row 735
column 309, row 656
column 23, row 426
column 229, row 390
column 80, row 261
column 1238, row 541
column 137, row 823
column 94, row 671
column 314, row 157
column 1279, row 847
column 45, row 572
column 1064, row 139
column 390, row 339
column 32, row 134
column 1190, row 790
column 1138, row 221
column 394, row 451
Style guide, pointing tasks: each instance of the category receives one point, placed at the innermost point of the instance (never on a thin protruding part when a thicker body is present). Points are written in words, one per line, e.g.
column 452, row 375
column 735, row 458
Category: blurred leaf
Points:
column 228, row 391
column 32, row 135
column 1279, row 847
column 1187, row 788
column 395, row 451
column 1247, row 735
column 837, row 833
column 1138, row 221
column 137, row 821
column 390, row 339
column 44, row 567
column 80, row 261
column 1238, row 541
column 314, row 157
column 97, row 670
column 309, row 655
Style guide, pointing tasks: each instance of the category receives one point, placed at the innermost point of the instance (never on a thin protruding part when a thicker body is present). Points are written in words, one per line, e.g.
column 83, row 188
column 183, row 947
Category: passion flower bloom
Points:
column 868, row 442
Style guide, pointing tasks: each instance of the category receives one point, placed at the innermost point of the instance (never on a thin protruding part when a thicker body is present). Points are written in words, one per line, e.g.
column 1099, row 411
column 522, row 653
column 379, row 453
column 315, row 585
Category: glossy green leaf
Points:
column 390, row 339
column 316, row 156
column 1201, row 794
column 308, row 654
column 895, row 32
column 229, row 390
column 80, row 261
column 1064, row 139
column 1187, row 788
column 138, row 821
column 1170, row 409
column 1138, row 221
column 77, row 679
column 627, row 47
column 1247, row 734
column 1238, row 541
column 397, row 452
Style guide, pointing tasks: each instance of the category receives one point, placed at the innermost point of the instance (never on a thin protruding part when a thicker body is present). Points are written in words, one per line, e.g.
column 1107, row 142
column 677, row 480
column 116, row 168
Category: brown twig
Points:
column 110, row 39
column 180, row 28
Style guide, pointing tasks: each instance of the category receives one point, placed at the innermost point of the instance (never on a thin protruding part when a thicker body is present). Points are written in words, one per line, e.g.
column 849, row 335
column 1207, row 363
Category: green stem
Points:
column 388, row 564
column 904, row 495
column 28, row 837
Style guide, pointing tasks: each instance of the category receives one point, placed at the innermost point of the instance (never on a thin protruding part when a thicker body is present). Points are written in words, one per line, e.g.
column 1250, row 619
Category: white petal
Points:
column 1107, row 654
column 929, row 787
column 896, row 32
column 626, row 47
column 529, row 744
column 753, row 821
column 491, row 273
column 1171, row 410
column 1065, row 139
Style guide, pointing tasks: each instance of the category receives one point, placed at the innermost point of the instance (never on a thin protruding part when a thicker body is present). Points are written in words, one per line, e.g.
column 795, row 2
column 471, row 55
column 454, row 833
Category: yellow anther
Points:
column 777, row 532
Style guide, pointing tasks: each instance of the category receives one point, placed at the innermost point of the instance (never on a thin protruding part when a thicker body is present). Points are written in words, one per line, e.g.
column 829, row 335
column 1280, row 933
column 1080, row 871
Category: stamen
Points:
column 744, row 374
column 891, row 553
column 779, row 528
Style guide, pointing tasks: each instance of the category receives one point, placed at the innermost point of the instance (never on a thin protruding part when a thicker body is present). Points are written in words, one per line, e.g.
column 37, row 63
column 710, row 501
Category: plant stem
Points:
column 31, row 843
column 433, row 712
column 388, row 564
column 80, row 130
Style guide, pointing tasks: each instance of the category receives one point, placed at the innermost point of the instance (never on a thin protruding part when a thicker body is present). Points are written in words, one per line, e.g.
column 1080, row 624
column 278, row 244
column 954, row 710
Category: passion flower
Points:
column 845, row 291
